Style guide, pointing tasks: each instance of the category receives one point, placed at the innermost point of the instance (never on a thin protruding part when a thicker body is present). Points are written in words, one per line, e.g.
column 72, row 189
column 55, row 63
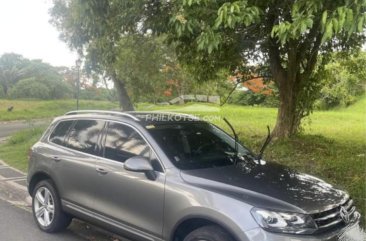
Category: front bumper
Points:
column 350, row 233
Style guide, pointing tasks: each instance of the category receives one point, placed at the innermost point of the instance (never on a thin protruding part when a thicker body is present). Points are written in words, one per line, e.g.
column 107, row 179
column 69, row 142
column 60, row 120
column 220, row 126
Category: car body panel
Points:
column 130, row 197
column 288, row 189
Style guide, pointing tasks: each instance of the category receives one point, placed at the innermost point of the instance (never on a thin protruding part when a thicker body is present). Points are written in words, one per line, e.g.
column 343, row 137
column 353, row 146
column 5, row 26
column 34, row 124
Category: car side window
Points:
column 60, row 132
column 123, row 142
column 84, row 136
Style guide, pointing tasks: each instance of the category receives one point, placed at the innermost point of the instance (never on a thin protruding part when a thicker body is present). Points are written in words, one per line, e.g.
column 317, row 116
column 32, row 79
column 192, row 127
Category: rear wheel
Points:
column 208, row 233
column 47, row 210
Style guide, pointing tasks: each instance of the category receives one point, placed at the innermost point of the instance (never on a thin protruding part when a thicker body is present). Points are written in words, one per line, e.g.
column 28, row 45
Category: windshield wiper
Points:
column 265, row 144
column 236, row 141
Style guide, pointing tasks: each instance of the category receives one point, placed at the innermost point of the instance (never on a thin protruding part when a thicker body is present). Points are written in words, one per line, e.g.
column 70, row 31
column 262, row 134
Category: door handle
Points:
column 101, row 170
column 56, row 158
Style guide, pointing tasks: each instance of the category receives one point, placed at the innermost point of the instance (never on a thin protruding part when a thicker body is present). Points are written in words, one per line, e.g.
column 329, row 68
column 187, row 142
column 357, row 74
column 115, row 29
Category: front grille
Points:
column 331, row 219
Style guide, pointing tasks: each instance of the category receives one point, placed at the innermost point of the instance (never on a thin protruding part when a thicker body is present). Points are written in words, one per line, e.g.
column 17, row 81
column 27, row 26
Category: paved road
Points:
column 16, row 220
column 8, row 128
column 17, row 224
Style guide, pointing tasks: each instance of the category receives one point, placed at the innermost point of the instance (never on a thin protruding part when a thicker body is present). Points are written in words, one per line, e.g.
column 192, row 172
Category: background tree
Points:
column 91, row 28
column 24, row 78
column 140, row 63
column 12, row 69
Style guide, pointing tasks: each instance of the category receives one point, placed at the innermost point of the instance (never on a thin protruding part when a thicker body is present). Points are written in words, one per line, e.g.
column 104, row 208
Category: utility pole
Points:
column 78, row 64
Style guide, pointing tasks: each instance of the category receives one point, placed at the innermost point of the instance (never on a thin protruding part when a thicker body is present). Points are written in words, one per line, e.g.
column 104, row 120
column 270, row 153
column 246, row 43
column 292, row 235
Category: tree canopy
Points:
column 24, row 78
column 208, row 35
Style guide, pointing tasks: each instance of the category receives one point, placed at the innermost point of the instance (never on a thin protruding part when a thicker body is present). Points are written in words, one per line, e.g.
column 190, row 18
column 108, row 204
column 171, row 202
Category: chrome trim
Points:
column 335, row 214
column 165, row 112
column 353, row 209
column 332, row 215
column 330, row 207
column 75, row 112
column 349, row 204
column 331, row 224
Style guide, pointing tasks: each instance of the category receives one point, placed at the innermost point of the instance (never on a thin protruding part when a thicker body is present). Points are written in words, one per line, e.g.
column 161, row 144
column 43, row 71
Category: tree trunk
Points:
column 287, row 122
column 287, row 80
column 124, row 100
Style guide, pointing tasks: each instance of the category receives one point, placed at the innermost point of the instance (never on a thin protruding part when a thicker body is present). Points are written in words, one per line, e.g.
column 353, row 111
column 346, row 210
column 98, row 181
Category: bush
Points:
column 92, row 93
column 39, row 89
column 29, row 88
column 2, row 93
column 344, row 80
column 251, row 98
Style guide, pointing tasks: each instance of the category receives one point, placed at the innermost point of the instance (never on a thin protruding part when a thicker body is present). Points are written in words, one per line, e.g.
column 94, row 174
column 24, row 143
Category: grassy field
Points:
column 31, row 109
column 332, row 144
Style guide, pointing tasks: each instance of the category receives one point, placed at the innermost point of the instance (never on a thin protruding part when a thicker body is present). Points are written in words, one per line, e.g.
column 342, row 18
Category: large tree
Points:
column 13, row 67
column 287, row 35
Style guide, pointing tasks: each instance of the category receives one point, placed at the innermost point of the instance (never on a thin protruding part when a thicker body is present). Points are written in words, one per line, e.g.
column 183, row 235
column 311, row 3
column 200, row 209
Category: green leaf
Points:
column 324, row 17
column 232, row 8
column 274, row 31
column 342, row 17
column 335, row 25
column 324, row 20
column 360, row 24
column 328, row 32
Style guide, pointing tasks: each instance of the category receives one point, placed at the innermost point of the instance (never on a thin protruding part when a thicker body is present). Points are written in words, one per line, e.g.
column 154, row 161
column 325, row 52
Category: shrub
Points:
column 40, row 89
column 29, row 88
column 344, row 79
column 2, row 93
column 251, row 98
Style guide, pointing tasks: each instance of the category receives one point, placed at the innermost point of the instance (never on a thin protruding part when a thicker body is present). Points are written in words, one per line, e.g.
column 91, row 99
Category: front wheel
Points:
column 47, row 210
column 208, row 233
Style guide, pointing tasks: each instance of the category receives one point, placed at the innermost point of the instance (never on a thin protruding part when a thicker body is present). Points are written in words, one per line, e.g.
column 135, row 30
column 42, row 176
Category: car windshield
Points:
column 196, row 145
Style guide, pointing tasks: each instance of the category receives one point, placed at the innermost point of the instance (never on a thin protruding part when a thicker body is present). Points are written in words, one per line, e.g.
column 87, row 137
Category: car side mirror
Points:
column 140, row 164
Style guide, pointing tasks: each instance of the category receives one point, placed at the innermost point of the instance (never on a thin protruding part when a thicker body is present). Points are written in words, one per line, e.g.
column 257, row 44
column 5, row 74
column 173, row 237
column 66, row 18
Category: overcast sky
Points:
column 25, row 30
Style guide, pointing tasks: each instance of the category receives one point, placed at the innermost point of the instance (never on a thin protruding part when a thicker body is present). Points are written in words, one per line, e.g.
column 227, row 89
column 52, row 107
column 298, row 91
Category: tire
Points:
column 208, row 233
column 46, row 206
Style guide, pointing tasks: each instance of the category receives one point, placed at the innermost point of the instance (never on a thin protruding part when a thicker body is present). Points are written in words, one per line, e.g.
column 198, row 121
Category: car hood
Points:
column 268, row 185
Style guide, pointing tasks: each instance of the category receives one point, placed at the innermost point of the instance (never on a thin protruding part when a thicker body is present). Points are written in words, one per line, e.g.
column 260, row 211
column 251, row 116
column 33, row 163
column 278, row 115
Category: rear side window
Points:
column 59, row 133
column 84, row 136
column 123, row 142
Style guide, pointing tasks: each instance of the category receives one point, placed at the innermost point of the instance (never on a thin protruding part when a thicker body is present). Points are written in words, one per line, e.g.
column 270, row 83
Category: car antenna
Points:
column 236, row 140
column 265, row 144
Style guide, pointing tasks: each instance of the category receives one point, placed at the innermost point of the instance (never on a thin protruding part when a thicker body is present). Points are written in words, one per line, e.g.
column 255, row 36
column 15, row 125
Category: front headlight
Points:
column 284, row 222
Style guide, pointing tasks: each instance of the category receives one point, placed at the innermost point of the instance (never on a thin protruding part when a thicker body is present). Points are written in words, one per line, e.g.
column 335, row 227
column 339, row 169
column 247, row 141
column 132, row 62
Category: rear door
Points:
column 75, row 164
column 129, row 198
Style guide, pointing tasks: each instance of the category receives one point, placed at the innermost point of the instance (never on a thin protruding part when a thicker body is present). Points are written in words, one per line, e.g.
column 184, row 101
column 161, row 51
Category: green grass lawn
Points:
column 332, row 144
column 33, row 109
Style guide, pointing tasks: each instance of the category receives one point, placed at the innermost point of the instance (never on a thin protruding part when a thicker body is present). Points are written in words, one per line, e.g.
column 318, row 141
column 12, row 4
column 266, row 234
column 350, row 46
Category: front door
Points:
column 129, row 198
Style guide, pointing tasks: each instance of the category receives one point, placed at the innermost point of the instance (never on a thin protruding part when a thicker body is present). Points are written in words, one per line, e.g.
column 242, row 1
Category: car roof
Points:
column 142, row 117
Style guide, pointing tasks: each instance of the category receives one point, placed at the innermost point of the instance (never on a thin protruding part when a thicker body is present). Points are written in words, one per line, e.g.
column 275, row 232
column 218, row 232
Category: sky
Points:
column 25, row 30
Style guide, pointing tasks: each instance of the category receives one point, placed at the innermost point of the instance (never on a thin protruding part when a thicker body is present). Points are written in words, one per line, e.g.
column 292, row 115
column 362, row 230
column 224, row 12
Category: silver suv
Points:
column 165, row 176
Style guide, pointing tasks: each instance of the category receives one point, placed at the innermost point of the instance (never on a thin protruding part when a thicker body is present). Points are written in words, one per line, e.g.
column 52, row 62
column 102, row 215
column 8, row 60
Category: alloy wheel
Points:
column 44, row 206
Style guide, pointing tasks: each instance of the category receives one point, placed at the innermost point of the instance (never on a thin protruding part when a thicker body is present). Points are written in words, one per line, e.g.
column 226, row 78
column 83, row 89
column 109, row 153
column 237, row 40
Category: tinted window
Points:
column 196, row 145
column 123, row 142
column 59, row 133
column 84, row 136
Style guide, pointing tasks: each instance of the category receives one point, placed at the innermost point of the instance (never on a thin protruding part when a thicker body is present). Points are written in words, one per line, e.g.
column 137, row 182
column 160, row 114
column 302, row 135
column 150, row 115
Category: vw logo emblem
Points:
column 344, row 215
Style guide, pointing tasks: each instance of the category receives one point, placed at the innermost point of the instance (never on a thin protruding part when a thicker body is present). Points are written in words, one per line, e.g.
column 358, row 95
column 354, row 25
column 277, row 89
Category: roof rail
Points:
column 167, row 113
column 117, row 113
